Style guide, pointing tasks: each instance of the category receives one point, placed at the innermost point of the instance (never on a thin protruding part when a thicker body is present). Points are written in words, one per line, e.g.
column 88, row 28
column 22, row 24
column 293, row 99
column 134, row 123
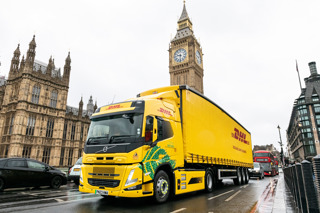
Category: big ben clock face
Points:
column 198, row 56
column 180, row 55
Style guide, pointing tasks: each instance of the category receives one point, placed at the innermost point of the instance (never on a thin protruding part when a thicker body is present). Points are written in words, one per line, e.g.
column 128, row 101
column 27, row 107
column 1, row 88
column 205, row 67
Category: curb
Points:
column 279, row 205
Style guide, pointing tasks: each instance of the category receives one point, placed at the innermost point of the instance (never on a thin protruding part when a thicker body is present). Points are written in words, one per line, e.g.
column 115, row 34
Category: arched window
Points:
column 35, row 94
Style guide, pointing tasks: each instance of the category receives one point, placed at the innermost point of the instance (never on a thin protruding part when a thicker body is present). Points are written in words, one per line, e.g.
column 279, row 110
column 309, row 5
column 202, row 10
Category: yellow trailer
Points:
column 166, row 141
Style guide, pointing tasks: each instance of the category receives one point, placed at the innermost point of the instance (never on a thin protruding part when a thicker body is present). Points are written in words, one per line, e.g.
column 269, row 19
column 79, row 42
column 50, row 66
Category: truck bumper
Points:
column 144, row 192
column 114, row 180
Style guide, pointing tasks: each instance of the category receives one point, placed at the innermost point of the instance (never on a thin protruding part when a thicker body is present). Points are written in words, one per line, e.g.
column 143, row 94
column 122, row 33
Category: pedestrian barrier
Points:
column 303, row 181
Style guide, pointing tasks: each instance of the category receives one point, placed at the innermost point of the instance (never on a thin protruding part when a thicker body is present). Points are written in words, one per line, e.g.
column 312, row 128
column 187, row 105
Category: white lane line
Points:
column 220, row 195
column 243, row 187
column 50, row 198
column 179, row 210
column 232, row 196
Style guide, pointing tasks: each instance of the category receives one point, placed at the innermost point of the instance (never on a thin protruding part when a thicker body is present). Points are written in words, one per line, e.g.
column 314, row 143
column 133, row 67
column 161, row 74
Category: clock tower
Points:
column 185, row 56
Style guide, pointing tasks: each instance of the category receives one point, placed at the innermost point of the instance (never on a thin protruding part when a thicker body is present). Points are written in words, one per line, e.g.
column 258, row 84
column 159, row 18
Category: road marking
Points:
column 59, row 200
column 244, row 186
column 232, row 196
column 51, row 198
column 220, row 195
column 179, row 210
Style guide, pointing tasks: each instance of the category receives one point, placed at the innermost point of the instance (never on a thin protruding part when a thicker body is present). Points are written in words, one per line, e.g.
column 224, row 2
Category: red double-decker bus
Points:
column 266, row 159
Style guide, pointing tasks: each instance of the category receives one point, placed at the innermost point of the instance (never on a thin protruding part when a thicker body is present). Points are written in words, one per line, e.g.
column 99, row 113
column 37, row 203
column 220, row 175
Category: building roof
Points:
column 184, row 14
column 41, row 66
column 183, row 33
column 75, row 111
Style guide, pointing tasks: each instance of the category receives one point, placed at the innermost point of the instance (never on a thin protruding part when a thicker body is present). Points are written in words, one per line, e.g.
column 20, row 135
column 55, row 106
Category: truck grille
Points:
column 104, row 182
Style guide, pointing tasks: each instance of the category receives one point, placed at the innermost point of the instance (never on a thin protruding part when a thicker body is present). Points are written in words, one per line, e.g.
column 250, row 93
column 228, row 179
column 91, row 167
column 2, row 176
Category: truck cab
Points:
column 128, row 143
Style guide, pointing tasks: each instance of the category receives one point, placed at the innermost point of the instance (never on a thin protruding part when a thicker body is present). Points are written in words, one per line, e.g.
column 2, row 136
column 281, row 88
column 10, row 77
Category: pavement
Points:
column 283, row 202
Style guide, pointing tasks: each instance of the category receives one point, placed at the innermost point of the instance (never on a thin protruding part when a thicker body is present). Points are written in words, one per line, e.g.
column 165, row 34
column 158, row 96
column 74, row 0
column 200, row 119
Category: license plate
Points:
column 76, row 170
column 102, row 192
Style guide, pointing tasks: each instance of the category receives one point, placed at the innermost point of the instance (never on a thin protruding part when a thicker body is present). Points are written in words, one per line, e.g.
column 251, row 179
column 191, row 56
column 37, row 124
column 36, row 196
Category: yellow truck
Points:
column 164, row 142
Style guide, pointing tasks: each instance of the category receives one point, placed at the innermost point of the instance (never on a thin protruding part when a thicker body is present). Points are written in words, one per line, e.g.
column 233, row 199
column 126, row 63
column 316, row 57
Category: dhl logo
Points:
column 164, row 111
column 113, row 107
column 239, row 136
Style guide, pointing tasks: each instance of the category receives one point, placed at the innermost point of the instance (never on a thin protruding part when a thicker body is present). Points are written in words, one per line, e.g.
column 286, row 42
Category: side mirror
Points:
column 46, row 169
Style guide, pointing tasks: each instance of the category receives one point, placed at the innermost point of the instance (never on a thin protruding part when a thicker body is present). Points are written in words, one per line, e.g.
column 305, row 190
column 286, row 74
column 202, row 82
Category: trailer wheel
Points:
column 246, row 175
column 243, row 176
column 161, row 187
column 237, row 180
column 209, row 180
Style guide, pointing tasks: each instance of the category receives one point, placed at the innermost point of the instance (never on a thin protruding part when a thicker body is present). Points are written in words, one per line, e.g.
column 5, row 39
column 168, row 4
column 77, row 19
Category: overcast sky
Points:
column 120, row 48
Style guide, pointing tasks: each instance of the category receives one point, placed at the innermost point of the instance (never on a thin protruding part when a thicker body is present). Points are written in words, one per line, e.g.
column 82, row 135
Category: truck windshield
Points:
column 114, row 129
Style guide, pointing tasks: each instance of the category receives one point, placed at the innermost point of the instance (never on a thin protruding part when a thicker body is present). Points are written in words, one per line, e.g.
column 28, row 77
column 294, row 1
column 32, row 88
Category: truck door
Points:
column 158, row 135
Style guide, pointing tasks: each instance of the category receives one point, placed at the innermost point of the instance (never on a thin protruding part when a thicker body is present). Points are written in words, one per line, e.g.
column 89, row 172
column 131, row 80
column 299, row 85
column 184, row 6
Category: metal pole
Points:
column 281, row 144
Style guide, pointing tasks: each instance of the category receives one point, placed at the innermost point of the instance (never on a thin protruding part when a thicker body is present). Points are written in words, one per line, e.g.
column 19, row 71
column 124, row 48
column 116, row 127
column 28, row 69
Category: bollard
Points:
column 316, row 170
column 310, row 191
column 302, row 197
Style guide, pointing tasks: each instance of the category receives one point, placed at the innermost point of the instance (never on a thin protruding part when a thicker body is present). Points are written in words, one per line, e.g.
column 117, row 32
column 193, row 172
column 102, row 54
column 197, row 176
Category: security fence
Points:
column 303, row 181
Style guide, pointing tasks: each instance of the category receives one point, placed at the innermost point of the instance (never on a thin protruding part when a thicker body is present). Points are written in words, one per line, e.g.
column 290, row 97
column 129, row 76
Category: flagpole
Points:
column 298, row 74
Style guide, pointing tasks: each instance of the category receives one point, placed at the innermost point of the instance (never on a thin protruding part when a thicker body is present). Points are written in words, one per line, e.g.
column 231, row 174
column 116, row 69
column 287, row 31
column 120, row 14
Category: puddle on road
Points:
column 265, row 203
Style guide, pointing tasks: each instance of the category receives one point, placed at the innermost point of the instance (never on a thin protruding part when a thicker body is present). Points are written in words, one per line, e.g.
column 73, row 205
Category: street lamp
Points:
column 281, row 144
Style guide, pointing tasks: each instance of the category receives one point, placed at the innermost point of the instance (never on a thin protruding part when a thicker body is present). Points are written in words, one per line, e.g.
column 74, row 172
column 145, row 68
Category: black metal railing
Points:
column 303, row 181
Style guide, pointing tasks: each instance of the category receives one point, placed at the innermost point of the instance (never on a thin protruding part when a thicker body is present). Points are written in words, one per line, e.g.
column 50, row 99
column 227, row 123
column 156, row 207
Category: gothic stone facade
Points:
column 185, row 56
column 35, row 121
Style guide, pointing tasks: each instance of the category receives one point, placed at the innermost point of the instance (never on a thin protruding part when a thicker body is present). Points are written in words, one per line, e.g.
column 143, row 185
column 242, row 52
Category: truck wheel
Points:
column 237, row 180
column 209, row 180
column 243, row 177
column 161, row 187
column 246, row 175
column 1, row 184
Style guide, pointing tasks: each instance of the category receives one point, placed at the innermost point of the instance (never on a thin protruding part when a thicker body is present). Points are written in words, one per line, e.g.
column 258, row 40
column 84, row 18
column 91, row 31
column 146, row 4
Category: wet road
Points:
column 257, row 196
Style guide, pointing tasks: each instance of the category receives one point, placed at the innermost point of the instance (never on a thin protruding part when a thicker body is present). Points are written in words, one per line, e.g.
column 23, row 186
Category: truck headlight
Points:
column 130, row 180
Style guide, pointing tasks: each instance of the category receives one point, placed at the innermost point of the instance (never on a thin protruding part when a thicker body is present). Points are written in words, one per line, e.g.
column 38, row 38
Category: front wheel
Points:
column 56, row 182
column 161, row 187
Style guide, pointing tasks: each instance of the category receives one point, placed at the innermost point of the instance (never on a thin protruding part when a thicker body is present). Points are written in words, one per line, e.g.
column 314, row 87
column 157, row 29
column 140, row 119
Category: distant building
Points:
column 304, row 126
column 35, row 121
column 185, row 56
column 267, row 147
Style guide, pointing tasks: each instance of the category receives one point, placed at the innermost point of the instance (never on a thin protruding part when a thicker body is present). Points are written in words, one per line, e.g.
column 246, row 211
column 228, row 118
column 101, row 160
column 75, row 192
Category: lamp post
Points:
column 281, row 144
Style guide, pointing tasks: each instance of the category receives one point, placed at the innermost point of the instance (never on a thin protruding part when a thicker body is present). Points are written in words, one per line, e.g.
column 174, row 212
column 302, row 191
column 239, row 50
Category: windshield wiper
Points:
column 119, row 136
column 92, row 139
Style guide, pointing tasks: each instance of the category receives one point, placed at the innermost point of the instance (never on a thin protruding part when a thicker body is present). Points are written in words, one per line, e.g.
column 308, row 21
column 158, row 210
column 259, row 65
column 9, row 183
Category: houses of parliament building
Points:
column 35, row 120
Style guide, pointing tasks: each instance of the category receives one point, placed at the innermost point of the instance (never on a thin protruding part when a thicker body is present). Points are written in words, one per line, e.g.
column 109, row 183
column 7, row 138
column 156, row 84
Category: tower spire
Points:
column 31, row 52
column 67, row 69
column 15, row 60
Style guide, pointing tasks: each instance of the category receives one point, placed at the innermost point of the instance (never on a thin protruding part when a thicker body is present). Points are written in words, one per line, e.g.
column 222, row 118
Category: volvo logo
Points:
column 106, row 148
